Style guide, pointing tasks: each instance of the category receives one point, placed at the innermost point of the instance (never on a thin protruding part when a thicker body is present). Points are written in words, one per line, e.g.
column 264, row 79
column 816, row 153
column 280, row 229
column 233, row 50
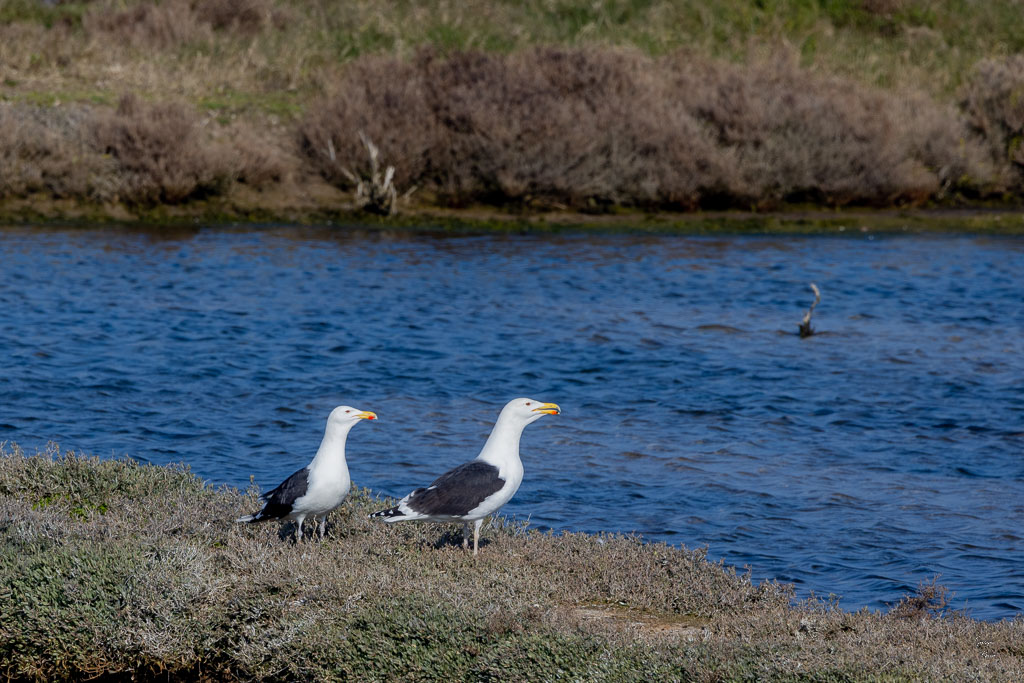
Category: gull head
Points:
column 344, row 417
column 527, row 410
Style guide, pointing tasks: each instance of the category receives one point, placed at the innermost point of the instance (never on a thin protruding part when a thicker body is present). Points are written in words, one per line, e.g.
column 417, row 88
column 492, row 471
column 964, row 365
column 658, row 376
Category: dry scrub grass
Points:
column 160, row 160
column 595, row 128
column 994, row 103
column 202, row 51
column 46, row 150
column 646, row 104
column 109, row 568
column 548, row 126
column 289, row 47
column 137, row 154
column 175, row 23
column 800, row 136
column 196, row 48
column 586, row 129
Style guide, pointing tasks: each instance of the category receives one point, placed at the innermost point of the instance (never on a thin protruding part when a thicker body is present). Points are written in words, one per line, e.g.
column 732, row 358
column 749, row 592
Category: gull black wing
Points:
column 458, row 491
column 279, row 501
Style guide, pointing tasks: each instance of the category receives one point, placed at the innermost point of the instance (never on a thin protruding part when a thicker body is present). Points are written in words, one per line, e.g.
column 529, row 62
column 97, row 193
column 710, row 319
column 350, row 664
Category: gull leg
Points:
column 476, row 535
column 298, row 531
column 465, row 535
column 323, row 527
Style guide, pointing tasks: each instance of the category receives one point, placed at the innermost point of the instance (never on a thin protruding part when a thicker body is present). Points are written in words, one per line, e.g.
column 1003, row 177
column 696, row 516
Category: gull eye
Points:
column 528, row 403
column 348, row 411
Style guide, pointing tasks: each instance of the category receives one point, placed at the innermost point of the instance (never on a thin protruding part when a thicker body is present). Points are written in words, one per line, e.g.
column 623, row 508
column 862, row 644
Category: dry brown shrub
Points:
column 805, row 137
column 993, row 100
column 148, row 25
column 883, row 7
column 160, row 154
column 255, row 154
column 173, row 23
column 43, row 149
column 937, row 136
column 593, row 127
column 138, row 154
column 388, row 101
column 244, row 17
column 547, row 126
column 27, row 48
column 581, row 127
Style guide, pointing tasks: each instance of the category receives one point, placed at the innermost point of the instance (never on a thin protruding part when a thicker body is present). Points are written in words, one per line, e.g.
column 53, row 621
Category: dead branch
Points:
column 375, row 192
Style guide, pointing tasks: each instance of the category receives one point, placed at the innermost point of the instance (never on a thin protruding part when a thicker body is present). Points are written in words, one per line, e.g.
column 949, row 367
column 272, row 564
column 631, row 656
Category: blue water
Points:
column 884, row 451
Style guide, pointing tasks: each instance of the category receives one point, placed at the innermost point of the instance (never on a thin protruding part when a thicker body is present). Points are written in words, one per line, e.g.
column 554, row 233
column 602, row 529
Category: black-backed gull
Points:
column 320, row 486
column 477, row 488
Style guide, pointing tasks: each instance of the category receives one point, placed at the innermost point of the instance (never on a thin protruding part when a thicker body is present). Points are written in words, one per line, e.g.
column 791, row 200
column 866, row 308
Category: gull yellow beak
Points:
column 548, row 408
column 367, row 415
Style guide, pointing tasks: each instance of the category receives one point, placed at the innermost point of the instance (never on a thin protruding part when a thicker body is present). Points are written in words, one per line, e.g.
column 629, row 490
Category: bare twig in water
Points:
column 375, row 193
column 805, row 324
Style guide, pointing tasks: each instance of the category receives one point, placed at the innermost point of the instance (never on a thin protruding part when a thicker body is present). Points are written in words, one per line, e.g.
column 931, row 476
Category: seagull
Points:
column 477, row 488
column 320, row 486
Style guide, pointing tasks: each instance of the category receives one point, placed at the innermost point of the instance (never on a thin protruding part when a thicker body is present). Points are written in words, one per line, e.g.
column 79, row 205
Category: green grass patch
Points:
column 42, row 98
column 285, row 105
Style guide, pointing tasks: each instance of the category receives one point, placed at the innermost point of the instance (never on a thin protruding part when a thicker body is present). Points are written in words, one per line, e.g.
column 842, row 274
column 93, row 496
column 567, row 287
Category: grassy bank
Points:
column 253, row 108
column 109, row 569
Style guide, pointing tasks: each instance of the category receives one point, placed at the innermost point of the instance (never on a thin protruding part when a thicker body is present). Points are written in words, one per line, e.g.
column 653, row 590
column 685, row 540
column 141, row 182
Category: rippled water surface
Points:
column 883, row 451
